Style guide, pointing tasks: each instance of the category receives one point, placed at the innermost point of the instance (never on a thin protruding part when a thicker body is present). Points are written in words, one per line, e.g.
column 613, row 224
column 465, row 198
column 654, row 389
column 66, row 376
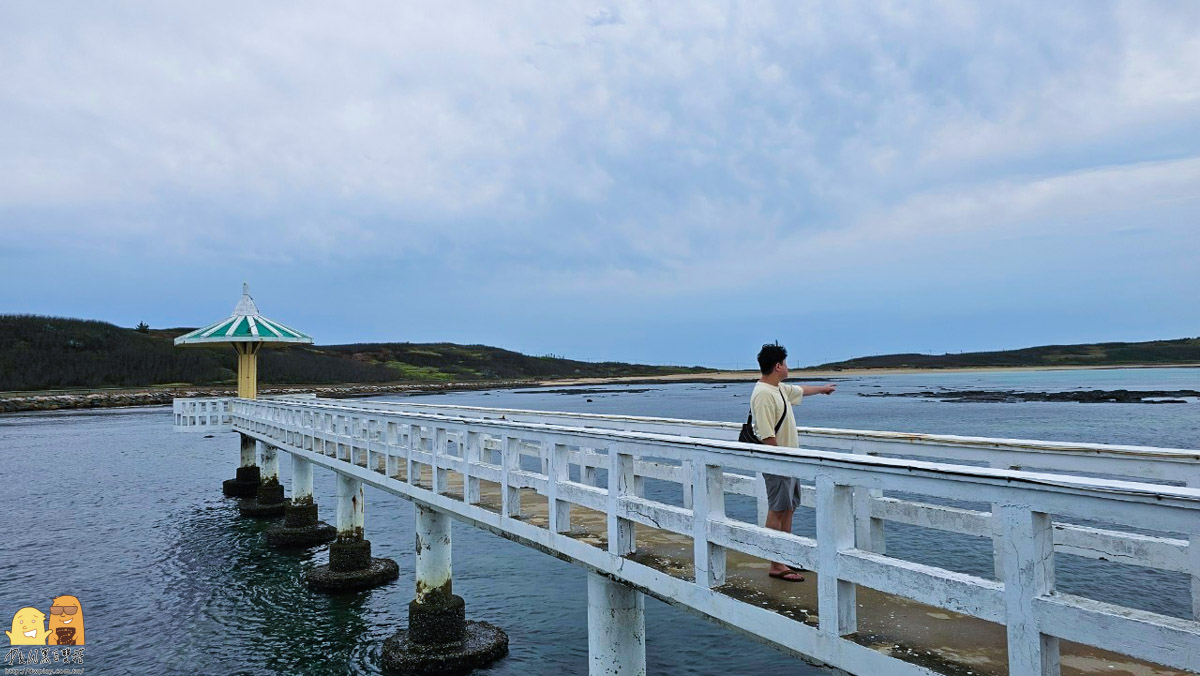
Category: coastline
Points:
column 802, row 373
column 55, row 400
column 61, row 400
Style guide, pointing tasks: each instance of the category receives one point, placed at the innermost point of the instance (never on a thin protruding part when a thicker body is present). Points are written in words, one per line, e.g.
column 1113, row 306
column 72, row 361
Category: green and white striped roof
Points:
column 245, row 326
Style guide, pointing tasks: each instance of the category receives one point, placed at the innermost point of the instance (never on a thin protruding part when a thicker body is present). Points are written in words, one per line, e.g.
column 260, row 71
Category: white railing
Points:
column 1180, row 466
column 374, row 443
column 207, row 415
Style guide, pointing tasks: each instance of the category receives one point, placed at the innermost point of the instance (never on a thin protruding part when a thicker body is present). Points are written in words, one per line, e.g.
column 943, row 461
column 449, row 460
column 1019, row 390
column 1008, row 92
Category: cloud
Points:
column 615, row 151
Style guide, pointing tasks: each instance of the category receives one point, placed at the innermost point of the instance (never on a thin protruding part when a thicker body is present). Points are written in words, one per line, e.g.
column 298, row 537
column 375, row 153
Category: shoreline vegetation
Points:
column 52, row 363
column 52, row 400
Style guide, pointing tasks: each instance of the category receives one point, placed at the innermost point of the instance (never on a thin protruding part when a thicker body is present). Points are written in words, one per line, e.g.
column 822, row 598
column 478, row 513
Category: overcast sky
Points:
column 665, row 182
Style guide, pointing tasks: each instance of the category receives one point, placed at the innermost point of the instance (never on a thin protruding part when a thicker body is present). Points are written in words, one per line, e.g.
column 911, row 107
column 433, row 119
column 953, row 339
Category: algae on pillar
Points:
column 248, row 332
column 245, row 482
column 268, row 500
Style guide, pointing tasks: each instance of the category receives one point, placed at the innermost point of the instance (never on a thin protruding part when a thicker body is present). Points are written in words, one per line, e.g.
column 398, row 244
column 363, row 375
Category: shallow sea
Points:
column 115, row 508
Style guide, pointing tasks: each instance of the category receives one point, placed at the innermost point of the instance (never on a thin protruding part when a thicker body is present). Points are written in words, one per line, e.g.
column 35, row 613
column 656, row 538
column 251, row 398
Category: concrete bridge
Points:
column 575, row 486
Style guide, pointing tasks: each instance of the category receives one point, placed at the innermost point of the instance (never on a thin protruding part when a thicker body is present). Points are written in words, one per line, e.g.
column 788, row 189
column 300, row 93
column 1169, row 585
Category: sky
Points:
column 669, row 183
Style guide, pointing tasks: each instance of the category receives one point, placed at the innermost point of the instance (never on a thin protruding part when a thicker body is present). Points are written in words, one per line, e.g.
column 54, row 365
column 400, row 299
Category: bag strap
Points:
column 780, row 423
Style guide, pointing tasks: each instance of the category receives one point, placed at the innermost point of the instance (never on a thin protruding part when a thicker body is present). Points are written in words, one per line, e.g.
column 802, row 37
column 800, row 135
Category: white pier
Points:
column 532, row 477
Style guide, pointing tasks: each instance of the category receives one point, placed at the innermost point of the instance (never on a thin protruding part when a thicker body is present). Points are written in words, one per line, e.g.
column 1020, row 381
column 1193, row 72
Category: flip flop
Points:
column 787, row 576
column 797, row 569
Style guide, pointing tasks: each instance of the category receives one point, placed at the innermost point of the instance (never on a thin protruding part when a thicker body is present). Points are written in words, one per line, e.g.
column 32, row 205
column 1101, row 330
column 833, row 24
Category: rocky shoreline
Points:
column 54, row 401
column 1080, row 396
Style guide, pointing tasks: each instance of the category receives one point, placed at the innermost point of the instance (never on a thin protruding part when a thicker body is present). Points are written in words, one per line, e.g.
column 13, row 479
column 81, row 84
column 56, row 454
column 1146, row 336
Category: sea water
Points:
column 115, row 508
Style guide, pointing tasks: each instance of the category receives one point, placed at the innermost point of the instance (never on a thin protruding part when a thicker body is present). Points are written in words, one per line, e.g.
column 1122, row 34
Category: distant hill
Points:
column 1180, row 351
column 40, row 353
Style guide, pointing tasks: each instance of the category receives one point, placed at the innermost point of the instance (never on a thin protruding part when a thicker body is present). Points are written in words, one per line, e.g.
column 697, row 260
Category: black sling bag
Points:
column 748, row 435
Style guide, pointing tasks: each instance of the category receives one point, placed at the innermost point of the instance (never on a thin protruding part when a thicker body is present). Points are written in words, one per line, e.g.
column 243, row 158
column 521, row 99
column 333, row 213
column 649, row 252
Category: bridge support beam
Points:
column 301, row 527
column 439, row 639
column 245, row 482
column 616, row 628
column 350, row 566
column 268, row 499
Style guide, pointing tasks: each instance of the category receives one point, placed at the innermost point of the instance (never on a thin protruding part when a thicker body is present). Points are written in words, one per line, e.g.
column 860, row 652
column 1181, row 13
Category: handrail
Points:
column 373, row 444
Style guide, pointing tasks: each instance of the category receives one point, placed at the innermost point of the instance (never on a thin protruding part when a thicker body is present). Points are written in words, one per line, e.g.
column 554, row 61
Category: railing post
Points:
column 414, row 445
column 556, row 471
column 836, row 607
column 760, row 499
column 471, row 456
column 685, row 482
column 510, row 459
column 1193, row 481
column 1194, row 561
column 391, row 441
column 868, row 530
column 1028, row 574
column 622, row 536
column 587, row 473
column 440, row 481
column 616, row 629
column 708, row 501
column 997, row 533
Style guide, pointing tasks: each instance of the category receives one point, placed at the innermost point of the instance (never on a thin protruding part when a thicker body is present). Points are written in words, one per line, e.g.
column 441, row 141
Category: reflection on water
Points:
column 117, row 509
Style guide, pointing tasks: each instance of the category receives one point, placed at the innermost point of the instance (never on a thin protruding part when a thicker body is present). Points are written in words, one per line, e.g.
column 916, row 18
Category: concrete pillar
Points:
column 616, row 628
column 249, row 451
column 302, row 481
column 351, row 567
column 439, row 638
column 351, row 508
column 434, row 574
column 301, row 526
column 269, row 498
column 270, row 463
column 245, row 482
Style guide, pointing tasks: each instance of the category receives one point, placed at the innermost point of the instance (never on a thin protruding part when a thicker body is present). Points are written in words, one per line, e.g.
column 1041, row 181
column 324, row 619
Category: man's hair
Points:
column 769, row 356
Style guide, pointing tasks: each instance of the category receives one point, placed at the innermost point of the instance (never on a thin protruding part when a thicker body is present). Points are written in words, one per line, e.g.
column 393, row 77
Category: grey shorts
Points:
column 783, row 493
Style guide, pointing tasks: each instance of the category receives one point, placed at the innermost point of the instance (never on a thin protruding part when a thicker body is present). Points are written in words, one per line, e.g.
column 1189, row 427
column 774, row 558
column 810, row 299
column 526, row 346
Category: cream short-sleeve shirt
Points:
column 766, row 405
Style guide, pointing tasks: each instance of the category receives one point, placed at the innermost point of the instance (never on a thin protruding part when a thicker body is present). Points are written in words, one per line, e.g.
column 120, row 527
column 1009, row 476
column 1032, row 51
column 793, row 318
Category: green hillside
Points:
column 40, row 353
column 1180, row 351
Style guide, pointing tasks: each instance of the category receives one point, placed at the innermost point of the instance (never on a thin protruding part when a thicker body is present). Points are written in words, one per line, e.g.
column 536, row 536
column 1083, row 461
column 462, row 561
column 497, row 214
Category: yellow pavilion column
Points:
column 247, row 369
